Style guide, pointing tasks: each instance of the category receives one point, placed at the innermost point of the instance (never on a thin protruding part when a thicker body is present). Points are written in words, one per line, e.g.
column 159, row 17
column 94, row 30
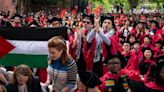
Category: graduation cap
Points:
column 119, row 56
column 17, row 15
column 155, row 22
column 137, row 42
column 126, row 40
column 89, row 79
column 34, row 23
column 160, row 41
column 148, row 36
column 107, row 17
column 159, row 58
column 55, row 19
column 90, row 17
column 147, row 48
column 141, row 22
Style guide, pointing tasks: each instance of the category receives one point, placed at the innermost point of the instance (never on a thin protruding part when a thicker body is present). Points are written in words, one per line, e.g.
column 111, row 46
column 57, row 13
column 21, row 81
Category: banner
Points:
column 30, row 45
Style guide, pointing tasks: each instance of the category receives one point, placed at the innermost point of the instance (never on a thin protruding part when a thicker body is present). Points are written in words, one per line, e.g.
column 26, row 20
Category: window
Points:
column 13, row 1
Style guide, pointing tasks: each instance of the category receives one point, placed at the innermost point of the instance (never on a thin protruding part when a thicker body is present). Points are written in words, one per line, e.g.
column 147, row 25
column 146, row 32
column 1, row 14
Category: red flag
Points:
column 121, row 15
column 114, row 15
column 143, row 18
column 5, row 47
column 73, row 12
column 97, row 11
column 62, row 13
column 88, row 10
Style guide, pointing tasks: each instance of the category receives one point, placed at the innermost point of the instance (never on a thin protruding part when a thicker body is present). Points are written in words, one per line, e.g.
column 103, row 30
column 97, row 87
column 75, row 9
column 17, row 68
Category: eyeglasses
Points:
column 86, row 22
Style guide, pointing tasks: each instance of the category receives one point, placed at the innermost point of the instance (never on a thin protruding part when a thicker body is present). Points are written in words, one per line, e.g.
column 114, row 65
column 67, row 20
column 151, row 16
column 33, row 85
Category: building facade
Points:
column 27, row 5
column 8, row 5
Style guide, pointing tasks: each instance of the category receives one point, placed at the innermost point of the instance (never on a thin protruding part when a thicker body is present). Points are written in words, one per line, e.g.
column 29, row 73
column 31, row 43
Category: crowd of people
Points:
column 106, row 53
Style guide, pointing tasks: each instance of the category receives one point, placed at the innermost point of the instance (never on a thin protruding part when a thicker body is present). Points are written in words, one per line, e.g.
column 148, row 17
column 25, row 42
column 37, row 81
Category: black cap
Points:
column 155, row 22
column 108, row 17
column 119, row 56
column 137, row 42
column 147, row 48
column 55, row 19
column 89, row 79
column 141, row 22
column 90, row 17
column 17, row 15
column 34, row 23
column 159, row 58
column 160, row 41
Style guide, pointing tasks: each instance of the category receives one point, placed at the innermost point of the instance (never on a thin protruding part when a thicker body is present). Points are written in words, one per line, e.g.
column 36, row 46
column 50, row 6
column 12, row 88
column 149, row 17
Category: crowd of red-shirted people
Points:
column 113, row 52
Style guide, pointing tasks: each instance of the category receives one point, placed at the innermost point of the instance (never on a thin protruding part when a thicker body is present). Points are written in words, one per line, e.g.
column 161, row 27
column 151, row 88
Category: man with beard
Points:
column 107, row 34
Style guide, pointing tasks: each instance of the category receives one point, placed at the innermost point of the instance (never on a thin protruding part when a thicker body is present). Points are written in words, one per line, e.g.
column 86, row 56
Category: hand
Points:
column 147, row 32
column 46, row 84
column 125, row 27
column 138, row 31
column 65, row 89
column 97, row 28
column 78, row 33
column 3, row 79
column 97, row 19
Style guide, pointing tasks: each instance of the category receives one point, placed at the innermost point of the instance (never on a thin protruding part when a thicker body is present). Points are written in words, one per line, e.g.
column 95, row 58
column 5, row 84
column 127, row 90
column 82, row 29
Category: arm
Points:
column 3, row 79
column 76, row 36
column 74, row 42
column 104, row 38
column 49, row 78
column 72, row 71
column 91, row 35
column 36, row 84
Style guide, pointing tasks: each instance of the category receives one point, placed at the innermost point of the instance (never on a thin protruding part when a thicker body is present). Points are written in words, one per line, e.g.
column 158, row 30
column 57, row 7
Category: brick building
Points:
column 8, row 5
column 28, row 5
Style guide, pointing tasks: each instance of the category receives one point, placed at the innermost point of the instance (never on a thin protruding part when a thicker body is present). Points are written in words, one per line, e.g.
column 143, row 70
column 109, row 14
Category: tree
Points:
column 158, row 2
column 19, row 5
column 133, row 4
column 105, row 3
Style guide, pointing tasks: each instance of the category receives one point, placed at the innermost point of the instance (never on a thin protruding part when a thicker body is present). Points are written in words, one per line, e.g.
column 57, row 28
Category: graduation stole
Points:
column 110, row 83
column 17, row 25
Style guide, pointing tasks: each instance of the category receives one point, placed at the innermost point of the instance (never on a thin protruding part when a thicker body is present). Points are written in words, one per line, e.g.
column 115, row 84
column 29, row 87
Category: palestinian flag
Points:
column 30, row 45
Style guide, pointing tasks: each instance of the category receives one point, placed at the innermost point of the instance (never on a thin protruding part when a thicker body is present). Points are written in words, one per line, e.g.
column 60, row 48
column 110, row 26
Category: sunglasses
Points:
column 86, row 22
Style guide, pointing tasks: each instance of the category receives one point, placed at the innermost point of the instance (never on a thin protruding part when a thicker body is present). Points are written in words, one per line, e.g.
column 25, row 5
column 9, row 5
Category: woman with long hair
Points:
column 61, row 70
column 24, row 81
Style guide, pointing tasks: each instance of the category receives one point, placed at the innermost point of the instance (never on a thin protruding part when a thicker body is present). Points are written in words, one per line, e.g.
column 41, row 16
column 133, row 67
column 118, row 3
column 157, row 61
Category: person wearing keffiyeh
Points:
column 79, row 48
